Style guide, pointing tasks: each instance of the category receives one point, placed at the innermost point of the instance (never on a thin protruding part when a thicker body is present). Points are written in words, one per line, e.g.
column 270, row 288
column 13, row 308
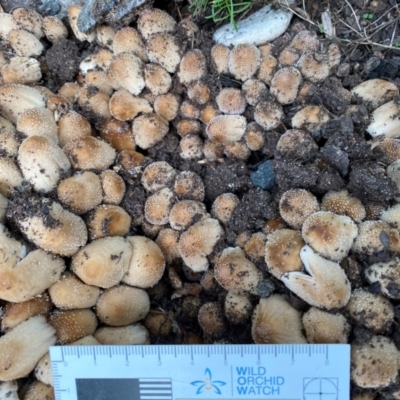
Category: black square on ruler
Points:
column 107, row 389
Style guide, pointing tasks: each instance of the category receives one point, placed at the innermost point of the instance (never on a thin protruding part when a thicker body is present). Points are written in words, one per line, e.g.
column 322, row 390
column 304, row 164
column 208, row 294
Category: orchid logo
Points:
column 208, row 384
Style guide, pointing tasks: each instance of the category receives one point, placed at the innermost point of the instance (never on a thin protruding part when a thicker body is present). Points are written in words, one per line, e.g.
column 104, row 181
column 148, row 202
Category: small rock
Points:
column 264, row 177
column 336, row 158
column 263, row 26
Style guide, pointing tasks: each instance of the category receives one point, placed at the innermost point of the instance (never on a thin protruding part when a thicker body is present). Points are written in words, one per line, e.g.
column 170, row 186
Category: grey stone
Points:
column 263, row 26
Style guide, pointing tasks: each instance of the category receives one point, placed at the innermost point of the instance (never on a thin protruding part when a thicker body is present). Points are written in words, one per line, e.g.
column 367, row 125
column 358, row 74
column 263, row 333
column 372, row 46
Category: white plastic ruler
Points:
column 188, row 372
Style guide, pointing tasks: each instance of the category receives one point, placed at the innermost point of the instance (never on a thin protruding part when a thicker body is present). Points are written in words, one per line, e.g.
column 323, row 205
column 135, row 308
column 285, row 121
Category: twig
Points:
column 355, row 15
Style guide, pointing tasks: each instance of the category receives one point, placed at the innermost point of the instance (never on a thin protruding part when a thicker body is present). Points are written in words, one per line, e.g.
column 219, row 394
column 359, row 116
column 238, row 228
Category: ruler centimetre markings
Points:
column 188, row 372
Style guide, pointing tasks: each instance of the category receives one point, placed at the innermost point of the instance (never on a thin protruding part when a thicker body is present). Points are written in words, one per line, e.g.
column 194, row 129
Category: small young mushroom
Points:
column 186, row 212
column 192, row 67
column 153, row 21
column 326, row 285
column 157, row 176
column 128, row 40
column 226, row 128
column 238, row 308
column 149, row 129
column 158, row 206
column 244, row 60
column 211, row 319
column 275, row 321
column 163, row 49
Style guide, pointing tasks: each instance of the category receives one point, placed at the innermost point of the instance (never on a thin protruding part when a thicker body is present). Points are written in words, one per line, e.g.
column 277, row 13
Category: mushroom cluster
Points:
column 127, row 212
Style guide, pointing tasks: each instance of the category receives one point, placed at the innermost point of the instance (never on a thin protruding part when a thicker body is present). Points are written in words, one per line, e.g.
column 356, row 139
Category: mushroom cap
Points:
column 31, row 276
column 231, row 101
column 329, row 234
column 81, row 192
column 155, row 21
column 89, row 153
column 275, row 321
column 71, row 293
column 314, row 67
column 254, row 90
column 343, row 204
column 198, row 242
column 282, row 252
column 22, row 70
column 326, row 286
column 324, row 327
column 72, row 325
column 244, row 60
column 268, row 114
column 185, row 212
column 238, row 308
column 128, row 40
column 42, row 162
column 371, row 310
column 167, row 106
column 72, row 125
column 192, row 67
column 149, row 129
column 223, row 207
column 16, row 98
column 157, row 176
column 235, row 273
column 126, row 72
column 122, row 305
column 211, row 319
column 285, row 85
column 23, row 346
column 108, row 220
column 146, row 265
column 375, row 363
column 375, row 236
column 375, row 92
column 10, row 176
column 113, row 187
column 189, row 186
column 387, row 274
column 296, row 144
column 163, row 49
column 220, row 57
column 103, row 262
column 296, row 205
column 384, row 120
column 57, row 230
column 311, row 118
column 24, row 43
column 157, row 79
column 125, row 107
column 125, row 335
column 158, row 206
column 226, row 128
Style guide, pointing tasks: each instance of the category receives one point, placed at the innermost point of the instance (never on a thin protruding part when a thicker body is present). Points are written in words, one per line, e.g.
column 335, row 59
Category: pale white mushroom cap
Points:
column 385, row 121
column 275, row 321
column 226, row 128
column 10, row 176
column 153, row 21
column 375, row 92
column 24, row 44
column 22, row 70
column 326, row 284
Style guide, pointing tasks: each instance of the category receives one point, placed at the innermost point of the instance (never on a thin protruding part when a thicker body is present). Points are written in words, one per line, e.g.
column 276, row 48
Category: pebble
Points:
column 263, row 26
column 264, row 177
